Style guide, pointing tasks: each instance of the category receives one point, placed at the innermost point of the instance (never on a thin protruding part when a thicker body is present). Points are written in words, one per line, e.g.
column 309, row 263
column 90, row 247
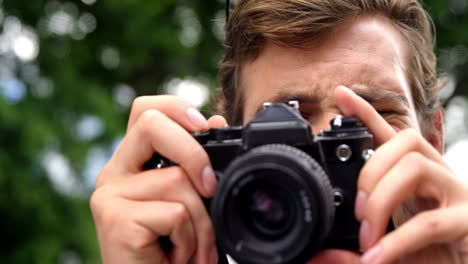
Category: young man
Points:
column 371, row 59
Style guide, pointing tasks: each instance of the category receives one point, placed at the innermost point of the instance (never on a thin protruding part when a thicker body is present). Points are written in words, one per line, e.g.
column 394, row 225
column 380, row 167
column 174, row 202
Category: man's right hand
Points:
column 132, row 208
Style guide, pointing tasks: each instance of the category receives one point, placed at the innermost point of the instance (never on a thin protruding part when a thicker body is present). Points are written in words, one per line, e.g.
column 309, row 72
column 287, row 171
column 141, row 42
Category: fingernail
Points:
column 197, row 119
column 209, row 180
column 360, row 206
column 344, row 106
column 346, row 89
column 371, row 255
column 214, row 256
column 364, row 234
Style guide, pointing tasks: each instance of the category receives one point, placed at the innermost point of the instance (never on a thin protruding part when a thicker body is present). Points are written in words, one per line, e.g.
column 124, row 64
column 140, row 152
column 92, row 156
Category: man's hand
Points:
column 132, row 207
column 405, row 173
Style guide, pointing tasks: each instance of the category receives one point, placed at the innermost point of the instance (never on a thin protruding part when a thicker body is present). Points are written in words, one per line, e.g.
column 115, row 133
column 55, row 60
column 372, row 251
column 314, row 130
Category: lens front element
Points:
column 268, row 212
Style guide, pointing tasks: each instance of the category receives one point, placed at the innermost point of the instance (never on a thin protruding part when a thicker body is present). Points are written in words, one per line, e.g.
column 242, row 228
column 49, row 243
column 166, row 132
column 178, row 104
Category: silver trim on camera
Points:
column 294, row 104
column 266, row 105
column 343, row 152
column 338, row 197
column 338, row 121
column 367, row 154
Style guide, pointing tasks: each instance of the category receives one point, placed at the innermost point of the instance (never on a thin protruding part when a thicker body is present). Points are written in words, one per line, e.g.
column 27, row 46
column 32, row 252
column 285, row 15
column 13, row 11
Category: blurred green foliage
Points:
column 80, row 66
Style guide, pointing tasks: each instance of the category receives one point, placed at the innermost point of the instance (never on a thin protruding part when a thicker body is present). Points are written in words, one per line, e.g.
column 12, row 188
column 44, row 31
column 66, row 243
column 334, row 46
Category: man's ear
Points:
column 435, row 131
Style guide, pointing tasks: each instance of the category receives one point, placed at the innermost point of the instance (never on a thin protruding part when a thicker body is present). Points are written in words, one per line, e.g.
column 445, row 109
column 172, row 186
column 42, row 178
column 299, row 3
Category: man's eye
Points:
column 306, row 110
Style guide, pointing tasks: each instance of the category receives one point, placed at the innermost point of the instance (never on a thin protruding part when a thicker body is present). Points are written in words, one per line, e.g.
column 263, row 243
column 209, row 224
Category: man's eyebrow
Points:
column 378, row 95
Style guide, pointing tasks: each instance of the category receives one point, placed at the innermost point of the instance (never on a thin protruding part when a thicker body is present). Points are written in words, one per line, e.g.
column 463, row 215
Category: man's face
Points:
column 367, row 55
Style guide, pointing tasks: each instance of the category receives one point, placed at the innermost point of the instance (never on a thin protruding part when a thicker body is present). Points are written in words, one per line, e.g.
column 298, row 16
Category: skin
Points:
column 132, row 207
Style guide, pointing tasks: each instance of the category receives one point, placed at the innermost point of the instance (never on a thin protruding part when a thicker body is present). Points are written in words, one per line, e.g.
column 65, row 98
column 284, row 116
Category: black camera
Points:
column 282, row 195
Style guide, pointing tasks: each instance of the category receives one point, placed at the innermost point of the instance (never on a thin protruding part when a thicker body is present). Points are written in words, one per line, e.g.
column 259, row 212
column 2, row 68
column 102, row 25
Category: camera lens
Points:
column 273, row 204
column 268, row 212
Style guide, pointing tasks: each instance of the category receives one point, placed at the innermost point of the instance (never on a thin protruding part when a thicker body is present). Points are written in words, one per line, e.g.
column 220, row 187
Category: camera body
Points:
column 284, row 194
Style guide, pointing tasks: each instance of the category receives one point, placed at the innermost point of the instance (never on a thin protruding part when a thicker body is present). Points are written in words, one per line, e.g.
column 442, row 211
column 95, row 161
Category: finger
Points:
column 128, row 231
column 414, row 176
column 353, row 105
column 335, row 256
column 216, row 121
column 173, row 220
column 176, row 108
column 425, row 229
column 172, row 185
column 387, row 155
column 155, row 132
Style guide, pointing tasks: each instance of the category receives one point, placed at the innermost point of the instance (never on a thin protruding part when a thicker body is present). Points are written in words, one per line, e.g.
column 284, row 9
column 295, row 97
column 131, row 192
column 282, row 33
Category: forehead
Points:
column 361, row 53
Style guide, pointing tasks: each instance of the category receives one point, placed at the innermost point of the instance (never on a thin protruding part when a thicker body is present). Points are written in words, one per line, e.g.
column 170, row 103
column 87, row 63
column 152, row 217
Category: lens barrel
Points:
column 274, row 204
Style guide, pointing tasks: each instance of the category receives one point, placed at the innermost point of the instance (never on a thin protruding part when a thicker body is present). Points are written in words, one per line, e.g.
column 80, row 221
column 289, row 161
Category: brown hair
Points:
column 296, row 22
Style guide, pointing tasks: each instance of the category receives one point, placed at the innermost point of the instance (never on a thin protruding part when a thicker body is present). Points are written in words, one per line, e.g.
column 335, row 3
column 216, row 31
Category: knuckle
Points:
column 138, row 103
column 99, row 204
column 410, row 133
column 180, row 214
column 96, row 201
column 413, row 161
column 429, row 221
column 149, row 115
column 136, row 239
column 147, row 120
column 177, row 177
column 411, row 137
